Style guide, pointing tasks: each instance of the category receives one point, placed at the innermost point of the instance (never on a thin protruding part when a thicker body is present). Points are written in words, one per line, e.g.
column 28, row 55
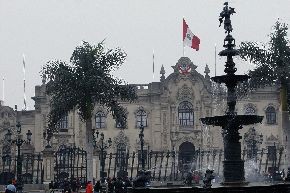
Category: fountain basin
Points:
column 250, row 188
column 236, row 120
column 230, row 79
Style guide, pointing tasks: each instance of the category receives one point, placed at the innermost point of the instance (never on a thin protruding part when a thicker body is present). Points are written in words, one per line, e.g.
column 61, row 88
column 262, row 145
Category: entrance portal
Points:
column 186, row 156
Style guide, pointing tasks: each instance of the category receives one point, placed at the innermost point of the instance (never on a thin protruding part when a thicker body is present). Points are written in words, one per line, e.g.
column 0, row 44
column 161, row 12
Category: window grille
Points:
column 185, row 114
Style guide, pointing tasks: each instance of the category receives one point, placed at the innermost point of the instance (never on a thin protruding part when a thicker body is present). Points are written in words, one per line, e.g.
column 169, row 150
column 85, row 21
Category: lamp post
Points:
column 143, row 177
column 47, row 135
column 102, row 145
column 18, row 141
column 141, row 137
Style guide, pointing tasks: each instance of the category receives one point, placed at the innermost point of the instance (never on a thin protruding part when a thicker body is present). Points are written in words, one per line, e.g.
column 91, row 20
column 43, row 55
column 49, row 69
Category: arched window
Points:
column 141, row 118
column 100, row 119
column 271, row 115
column 185, row 113
column 62, row 124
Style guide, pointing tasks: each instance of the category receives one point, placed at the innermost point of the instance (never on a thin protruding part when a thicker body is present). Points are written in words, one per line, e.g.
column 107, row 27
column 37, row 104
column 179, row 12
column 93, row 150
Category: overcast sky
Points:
column 44, row 30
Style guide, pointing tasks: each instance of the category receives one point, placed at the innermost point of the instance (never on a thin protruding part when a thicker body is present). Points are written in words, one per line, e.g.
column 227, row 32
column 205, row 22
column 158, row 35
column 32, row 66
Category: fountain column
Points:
column 233, row 164
column 234, row 172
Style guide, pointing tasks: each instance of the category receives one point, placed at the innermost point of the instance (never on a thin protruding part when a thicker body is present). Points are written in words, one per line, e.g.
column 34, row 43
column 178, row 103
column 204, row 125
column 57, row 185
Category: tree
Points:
column 85, row 82
column 272, row 62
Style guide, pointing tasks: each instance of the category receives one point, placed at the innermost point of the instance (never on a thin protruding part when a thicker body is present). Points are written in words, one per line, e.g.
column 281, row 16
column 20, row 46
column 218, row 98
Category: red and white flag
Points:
column 189, row 38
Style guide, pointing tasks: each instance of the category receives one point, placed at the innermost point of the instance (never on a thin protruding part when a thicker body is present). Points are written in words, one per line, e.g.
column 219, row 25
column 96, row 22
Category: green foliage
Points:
column 272, row 60
column 86, row 81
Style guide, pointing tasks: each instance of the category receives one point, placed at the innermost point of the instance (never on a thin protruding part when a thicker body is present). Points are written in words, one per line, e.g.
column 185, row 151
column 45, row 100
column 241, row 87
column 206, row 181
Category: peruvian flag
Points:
column 189, row 38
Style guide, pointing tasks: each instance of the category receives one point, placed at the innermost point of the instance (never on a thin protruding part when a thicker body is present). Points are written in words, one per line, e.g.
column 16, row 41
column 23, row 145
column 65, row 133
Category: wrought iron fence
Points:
column 174, row 165
column 70, row 164
column 32, row 168
column 266, row 160
column 164, row 166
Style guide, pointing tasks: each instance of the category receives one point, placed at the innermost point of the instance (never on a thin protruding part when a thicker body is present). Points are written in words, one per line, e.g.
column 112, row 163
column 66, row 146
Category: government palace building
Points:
column 170, row 111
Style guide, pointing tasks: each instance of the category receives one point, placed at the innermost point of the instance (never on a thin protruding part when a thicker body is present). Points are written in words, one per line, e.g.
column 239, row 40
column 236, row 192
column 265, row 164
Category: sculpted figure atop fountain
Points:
column 226, row 15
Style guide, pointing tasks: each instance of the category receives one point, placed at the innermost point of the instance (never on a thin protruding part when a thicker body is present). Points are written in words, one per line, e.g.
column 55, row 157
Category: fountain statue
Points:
column 231, row 123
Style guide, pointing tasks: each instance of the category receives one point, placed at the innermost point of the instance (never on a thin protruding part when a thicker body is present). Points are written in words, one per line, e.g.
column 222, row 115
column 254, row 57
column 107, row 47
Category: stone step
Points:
column 34, row 191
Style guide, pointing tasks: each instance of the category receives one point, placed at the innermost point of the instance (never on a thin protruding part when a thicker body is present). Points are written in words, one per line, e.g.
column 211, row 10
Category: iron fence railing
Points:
column 70, row 164
column 174, row 165
column 164, row 165
column 32, row 168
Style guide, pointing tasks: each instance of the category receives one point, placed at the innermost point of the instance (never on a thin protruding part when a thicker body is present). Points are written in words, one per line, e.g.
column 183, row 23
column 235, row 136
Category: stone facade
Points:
column 171, row 109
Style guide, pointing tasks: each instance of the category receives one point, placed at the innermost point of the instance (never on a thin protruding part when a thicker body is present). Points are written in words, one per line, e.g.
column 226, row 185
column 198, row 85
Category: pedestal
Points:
column 48, row 161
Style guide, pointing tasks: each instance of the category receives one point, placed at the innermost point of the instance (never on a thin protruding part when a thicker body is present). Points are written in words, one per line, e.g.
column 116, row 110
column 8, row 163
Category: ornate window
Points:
column 100, row 119
column 185, row 113
column 250, row 110
column 121, row 155
column 62, row 124
column 271, row 115
column 141, row 116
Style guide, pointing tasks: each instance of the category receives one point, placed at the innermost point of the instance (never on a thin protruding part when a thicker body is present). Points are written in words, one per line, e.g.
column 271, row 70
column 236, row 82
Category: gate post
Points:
column 48, row 163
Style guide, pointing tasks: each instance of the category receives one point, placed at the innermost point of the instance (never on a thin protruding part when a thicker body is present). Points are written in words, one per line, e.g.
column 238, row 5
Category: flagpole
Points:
column 153, row 64
column 214, row 59
column 3, row 90
column 183, row 52
column 182, row 36
column 24, row 95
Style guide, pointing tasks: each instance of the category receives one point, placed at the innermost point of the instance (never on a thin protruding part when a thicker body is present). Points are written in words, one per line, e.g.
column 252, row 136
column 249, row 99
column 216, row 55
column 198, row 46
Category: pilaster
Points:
column 48, row 163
